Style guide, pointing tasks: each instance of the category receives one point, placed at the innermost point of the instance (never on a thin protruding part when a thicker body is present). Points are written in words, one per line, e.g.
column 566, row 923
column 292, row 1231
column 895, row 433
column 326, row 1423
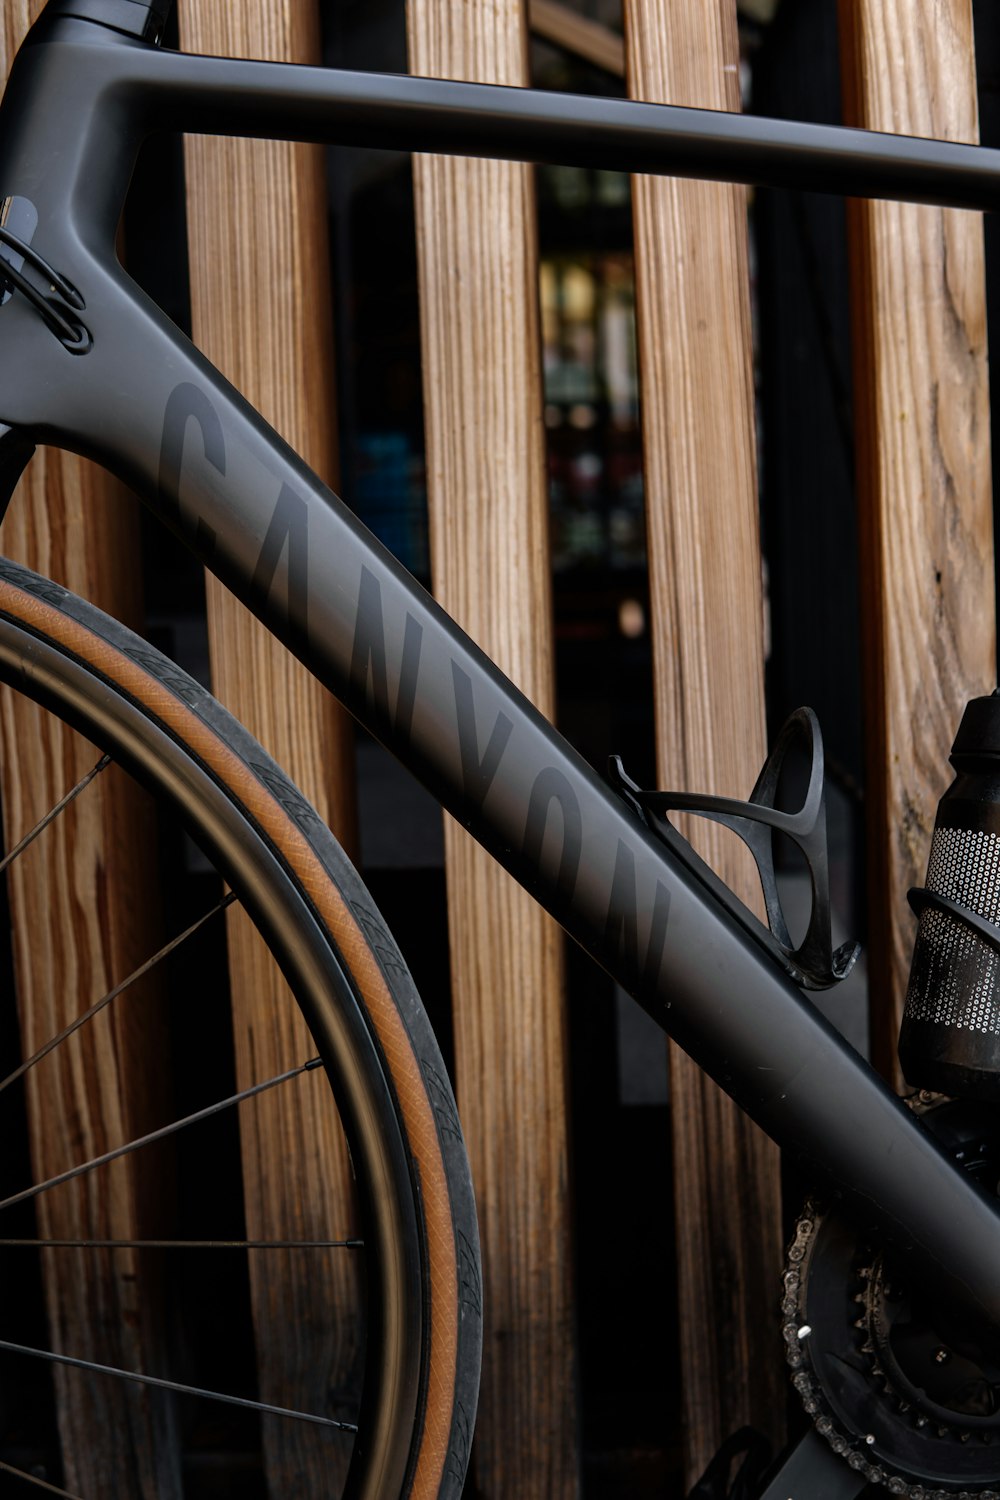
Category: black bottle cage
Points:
column 921, row 900
column 815, row 962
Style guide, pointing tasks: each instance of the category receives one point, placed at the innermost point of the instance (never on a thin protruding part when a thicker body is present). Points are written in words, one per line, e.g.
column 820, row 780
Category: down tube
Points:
column 206, row 462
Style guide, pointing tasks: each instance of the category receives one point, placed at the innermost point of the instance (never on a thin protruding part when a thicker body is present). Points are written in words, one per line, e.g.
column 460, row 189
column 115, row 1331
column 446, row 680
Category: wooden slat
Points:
column 261, row 311
column 83, row 910
column 924, row 488
column 588, row 39
column 488, row 512
column 701, row 502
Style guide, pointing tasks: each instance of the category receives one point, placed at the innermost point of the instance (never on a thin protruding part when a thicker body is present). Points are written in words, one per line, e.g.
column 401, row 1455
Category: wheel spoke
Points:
column 42, row 1484
column 158, row 1135
column 53, row 813
column 98, row 1006
column 332, row 1322
column 175, row 1385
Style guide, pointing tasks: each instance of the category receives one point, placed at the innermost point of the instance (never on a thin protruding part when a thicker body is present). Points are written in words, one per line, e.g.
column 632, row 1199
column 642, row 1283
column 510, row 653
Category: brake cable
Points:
column 69, row 330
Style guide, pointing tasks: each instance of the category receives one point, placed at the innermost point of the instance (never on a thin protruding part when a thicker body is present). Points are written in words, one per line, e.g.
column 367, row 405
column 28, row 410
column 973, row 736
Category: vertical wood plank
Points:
column 692, row 288
column 261, row 311
column 488, row 512
column 83, row 913
column 924, row 485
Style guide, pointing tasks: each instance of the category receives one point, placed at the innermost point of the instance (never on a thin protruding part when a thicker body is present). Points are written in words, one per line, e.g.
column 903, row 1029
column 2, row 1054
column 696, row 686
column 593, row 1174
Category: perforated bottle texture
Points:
column 950, row 1035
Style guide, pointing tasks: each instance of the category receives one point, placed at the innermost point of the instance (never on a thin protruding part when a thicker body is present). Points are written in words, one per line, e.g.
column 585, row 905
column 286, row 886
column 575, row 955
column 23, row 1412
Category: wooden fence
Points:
column 924, row 483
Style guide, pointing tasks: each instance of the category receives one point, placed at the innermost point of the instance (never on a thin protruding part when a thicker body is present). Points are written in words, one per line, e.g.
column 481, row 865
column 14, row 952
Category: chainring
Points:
column 909, row 1402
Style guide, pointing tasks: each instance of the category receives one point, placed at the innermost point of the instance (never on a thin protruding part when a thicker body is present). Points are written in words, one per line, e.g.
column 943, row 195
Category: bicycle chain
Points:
column 849, row 1445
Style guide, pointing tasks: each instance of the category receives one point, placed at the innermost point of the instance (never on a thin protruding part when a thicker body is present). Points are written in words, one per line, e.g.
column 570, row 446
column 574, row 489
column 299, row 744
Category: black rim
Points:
column 343, row 1036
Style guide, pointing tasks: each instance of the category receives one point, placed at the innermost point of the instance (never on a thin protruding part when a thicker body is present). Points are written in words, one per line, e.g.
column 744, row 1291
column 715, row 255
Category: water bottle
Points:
column 950, row 1036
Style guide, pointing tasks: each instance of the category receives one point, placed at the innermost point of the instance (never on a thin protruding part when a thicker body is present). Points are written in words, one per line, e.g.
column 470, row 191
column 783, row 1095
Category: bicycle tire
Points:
column 421, row 1244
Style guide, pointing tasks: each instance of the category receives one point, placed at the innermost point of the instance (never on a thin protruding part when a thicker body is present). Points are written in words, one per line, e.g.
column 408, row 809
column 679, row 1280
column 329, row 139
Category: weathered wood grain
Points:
column 924, row 485
column 489, row 550
column 692, row 287
column 261, row 311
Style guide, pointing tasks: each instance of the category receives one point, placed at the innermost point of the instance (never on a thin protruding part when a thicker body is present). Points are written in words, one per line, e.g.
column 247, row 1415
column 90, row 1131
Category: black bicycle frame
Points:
column 145, row 403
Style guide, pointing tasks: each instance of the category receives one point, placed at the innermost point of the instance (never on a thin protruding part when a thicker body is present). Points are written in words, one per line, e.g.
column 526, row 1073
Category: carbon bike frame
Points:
column 144, row 403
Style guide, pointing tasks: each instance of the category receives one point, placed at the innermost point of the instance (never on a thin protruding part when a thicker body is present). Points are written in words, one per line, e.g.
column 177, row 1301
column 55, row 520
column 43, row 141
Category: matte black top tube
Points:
column 230, row 96
column 149, row 407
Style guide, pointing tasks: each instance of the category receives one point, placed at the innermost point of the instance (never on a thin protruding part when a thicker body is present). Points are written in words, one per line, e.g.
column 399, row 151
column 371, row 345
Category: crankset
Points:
column 908, row 1400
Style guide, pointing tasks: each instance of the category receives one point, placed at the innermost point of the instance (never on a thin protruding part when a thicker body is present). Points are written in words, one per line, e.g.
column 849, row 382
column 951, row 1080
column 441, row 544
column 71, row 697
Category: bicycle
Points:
column 100, row 370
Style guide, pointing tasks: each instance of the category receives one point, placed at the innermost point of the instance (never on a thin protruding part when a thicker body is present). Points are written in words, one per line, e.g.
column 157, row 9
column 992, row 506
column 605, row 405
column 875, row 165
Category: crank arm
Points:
column 812, row 1471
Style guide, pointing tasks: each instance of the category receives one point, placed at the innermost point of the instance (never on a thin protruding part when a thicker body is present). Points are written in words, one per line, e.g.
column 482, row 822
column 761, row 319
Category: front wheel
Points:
column 414, row 1392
